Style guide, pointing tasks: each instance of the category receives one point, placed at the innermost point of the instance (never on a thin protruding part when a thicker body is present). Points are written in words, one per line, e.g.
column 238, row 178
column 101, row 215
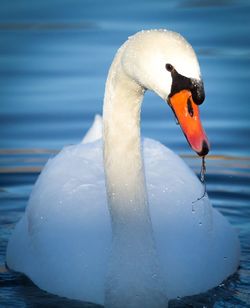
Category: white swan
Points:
column 76, row 242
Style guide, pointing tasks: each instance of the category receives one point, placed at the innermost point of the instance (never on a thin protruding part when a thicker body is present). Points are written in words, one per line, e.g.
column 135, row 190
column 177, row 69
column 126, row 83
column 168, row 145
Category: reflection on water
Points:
column 54, row 58
column 46, row 26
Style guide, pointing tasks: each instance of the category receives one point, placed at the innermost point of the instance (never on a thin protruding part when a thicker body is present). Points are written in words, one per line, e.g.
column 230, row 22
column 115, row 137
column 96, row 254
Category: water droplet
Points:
column 200, row 223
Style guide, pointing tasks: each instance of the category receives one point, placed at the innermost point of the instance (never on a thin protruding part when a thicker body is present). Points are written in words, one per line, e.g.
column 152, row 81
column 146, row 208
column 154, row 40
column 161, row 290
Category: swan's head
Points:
column 164, row 62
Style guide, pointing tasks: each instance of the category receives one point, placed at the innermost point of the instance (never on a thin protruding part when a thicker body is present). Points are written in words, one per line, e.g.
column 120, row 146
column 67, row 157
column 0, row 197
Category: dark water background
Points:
column 54, row 58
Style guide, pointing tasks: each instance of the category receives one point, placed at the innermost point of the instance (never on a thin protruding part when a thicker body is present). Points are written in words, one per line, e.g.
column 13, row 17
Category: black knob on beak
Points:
column 198, row 92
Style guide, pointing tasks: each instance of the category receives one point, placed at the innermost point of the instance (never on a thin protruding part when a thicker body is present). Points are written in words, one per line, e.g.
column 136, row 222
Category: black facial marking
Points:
column 180, row 82
column 190, row 108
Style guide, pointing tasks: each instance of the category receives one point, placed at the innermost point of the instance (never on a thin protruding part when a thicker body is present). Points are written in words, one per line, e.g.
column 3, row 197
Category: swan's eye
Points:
column 169, row 67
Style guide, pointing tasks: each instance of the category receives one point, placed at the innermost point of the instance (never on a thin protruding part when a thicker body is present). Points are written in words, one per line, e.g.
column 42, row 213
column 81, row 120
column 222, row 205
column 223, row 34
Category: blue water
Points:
column 54, row 58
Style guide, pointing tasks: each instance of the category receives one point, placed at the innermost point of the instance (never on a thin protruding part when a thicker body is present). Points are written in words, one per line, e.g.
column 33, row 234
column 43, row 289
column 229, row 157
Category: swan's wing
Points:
column 95, row 131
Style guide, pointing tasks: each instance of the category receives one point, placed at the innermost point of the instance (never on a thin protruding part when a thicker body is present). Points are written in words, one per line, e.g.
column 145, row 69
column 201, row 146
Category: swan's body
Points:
column 149, row 241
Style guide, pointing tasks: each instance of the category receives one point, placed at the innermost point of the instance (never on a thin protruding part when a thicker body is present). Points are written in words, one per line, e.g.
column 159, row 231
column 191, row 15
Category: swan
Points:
column 117, row 220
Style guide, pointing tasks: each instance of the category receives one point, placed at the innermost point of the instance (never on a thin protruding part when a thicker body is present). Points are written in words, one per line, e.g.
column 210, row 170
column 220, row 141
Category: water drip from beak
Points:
column 203, row 170
column 202, row 179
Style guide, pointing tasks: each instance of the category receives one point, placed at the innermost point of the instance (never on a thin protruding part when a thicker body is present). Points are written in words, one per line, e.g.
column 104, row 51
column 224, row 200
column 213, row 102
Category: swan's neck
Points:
column 134, row 264
column 122, row 149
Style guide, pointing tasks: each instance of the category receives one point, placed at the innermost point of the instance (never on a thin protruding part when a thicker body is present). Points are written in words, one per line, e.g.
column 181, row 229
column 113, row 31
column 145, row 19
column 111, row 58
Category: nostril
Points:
column 190, row 107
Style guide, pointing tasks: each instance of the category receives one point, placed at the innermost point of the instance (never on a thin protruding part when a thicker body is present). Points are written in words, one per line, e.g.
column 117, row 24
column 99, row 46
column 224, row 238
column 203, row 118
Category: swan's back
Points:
column 64, row 239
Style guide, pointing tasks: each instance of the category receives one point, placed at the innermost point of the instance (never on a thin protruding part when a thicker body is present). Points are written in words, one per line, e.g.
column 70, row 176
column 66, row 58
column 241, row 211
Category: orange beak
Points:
column 187, row 114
